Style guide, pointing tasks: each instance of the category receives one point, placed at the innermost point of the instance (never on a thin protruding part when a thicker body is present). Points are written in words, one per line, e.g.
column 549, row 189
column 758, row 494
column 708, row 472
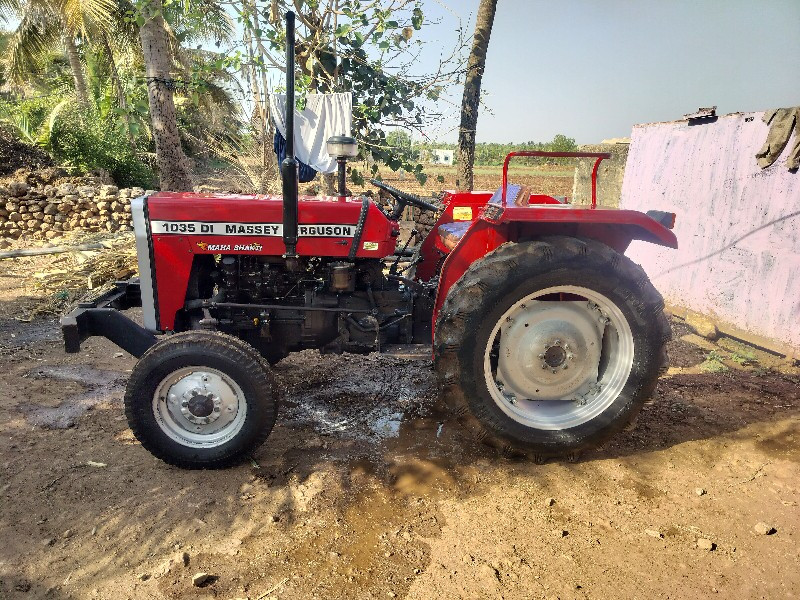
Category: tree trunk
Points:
column 173, row 170
column 77, row 69
column 472, row 94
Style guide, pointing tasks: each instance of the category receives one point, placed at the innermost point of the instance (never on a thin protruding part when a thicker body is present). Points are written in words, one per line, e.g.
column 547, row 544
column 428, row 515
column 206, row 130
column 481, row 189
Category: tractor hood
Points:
column 327, row 226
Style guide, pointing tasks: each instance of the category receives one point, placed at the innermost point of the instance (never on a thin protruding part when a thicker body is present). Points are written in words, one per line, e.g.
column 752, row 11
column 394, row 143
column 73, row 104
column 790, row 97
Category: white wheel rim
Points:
column 199, row 407
column 556, row 364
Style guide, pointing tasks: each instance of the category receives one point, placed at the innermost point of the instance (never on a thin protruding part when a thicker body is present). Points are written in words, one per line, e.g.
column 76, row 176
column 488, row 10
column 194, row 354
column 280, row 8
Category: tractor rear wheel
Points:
column 201, row 399
column 548, row 348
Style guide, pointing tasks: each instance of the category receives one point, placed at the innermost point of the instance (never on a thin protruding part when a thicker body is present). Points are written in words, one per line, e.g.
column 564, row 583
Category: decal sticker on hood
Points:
column 250, row 229
column 251, row 247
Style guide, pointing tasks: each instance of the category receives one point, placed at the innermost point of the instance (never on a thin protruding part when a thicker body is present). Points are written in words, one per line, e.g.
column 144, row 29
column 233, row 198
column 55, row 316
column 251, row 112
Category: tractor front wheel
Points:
column 201, row 399
column 547, row 348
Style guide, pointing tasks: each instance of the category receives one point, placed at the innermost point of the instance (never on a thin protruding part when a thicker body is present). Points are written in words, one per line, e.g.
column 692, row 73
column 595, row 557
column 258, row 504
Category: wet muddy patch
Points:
column 17, row 335
column 363, row 398
column 99, row 386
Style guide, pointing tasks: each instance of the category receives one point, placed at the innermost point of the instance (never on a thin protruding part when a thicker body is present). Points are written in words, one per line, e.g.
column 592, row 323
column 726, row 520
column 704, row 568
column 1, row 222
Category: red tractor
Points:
column 546, row 339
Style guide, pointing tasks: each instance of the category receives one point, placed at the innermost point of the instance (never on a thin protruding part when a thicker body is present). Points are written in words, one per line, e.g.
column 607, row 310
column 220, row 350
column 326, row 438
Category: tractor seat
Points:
column 451, row 233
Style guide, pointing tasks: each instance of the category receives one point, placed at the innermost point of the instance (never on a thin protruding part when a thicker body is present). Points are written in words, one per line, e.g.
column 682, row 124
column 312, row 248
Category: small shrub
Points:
column 713, row 363
column 88, row 142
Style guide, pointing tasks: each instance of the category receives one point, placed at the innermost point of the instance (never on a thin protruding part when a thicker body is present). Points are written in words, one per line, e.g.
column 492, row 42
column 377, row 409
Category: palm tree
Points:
column 48, row 24
column 160, row 50
column 472, row 94
column 102, row 27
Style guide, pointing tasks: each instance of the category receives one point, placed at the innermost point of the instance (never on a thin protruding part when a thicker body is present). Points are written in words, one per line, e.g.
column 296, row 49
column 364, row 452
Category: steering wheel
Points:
column 402, row 199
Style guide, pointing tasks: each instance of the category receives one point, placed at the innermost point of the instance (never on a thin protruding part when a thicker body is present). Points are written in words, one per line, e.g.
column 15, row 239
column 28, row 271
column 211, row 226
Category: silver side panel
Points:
column 141, row 229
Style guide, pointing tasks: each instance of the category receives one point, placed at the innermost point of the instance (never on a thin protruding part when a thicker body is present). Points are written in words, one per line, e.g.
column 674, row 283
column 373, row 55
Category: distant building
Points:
column 442, row 157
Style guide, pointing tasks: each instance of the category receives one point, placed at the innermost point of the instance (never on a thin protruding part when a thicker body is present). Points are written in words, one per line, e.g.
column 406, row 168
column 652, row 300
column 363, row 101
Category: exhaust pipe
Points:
column 289, row 173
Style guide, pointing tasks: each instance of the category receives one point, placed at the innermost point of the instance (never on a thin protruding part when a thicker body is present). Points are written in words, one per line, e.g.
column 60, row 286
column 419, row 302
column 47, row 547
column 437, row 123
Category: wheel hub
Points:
column 549, row 351
column 199, row 407
column 555, row 364
column 554, row 356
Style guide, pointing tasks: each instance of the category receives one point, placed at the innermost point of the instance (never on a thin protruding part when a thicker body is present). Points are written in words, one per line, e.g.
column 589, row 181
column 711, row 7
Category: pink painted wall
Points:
column 738, row 226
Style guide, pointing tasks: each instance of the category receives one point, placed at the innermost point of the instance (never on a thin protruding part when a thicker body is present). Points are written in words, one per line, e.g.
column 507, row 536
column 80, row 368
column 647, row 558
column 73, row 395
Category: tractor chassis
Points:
column 103, row 317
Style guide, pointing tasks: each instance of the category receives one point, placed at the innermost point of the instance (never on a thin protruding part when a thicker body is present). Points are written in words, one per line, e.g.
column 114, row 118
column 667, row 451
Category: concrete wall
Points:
column 738, row 226
column 609, row 175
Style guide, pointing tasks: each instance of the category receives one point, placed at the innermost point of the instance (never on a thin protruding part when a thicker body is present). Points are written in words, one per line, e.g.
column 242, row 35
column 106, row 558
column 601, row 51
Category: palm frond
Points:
column 200, row 20
column 10, row 9
column 33, row 38
column 43, row 138
column 82, row 16
column 21, row 125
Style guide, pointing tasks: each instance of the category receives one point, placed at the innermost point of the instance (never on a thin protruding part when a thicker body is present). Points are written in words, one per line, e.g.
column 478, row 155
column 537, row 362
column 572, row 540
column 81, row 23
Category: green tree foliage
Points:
column 89, row 51
column 86, row 143
column 76, row 138
column 493, row 154
column 112, row 130
column 401, row 145
column 369, row 49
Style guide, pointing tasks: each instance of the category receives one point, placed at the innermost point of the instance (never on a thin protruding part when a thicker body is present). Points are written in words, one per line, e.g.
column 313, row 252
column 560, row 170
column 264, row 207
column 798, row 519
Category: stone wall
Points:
column 609, row 175
column 47, row 211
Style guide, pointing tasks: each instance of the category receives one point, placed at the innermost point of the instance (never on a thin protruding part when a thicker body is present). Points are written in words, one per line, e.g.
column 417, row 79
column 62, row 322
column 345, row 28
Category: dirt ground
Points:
column 366, row 490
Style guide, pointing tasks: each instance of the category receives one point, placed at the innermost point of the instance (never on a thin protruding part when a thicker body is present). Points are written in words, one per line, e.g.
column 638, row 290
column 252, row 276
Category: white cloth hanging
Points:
column 324, row 116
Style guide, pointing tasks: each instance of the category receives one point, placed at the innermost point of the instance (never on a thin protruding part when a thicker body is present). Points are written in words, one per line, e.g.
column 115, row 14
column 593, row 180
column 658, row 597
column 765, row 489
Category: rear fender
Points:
column 615, row 228
column 481, row 238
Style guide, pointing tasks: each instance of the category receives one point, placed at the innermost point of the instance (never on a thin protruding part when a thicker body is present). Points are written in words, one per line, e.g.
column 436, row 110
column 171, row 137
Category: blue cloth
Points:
column 512, row 189
column 457, row 228
column 305, row 172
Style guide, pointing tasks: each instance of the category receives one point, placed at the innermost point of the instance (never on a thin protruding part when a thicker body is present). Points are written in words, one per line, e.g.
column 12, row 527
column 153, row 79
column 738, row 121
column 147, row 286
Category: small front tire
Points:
column 201, row 399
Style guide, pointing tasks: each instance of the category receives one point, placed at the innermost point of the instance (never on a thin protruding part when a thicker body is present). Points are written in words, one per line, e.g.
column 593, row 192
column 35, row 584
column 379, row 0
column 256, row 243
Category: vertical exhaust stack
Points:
column 289, row 165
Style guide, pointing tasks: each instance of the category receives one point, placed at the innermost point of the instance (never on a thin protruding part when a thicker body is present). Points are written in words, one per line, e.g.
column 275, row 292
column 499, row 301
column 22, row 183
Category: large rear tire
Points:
column 548, row 348
column 201, row 399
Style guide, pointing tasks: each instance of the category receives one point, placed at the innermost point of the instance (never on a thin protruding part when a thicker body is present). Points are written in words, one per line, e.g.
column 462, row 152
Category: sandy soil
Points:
column 366, row 490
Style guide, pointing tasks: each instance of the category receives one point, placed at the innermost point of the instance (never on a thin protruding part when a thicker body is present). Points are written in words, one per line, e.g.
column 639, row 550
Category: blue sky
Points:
column 591, row 69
